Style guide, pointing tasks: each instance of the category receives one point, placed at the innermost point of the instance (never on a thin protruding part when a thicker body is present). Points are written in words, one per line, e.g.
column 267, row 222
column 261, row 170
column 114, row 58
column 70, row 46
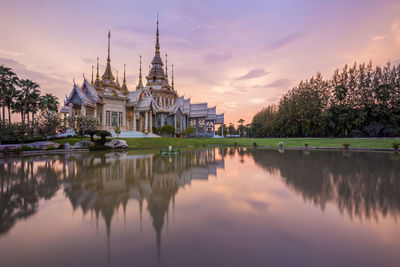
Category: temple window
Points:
column 120, row 119
column 114, row 119
column 107, row 118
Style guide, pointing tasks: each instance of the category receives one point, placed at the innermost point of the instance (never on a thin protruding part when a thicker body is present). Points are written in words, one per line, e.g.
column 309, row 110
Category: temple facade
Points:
column 146, row 107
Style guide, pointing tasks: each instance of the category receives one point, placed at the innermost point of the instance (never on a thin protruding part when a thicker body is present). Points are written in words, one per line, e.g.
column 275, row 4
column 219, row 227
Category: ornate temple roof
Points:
column 198, row 110
column 211, row 113
column 108, row 79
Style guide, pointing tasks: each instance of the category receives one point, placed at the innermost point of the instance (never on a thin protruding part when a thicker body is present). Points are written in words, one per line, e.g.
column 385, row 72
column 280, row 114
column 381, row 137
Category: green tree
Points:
column 8, row 79
column 49, row 102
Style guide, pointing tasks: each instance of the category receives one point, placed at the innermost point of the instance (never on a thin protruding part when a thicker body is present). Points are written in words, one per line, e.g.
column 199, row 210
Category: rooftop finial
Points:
column 117, row 81
column 172, row 83
column 124, row 74
column 166, row 66
column 140, row 84
column 97, row 75
column 157, row 39
column 109, row 38
column 92, row 74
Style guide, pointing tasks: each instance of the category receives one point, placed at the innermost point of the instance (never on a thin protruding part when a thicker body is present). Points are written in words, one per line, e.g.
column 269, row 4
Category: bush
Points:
column 395, row 146
column 281, row 144
column 26, row 148
column 305, row 144
column 346, row 145
column 168, row 130
column 255, row 144
column 190, row 131
column 117, row 130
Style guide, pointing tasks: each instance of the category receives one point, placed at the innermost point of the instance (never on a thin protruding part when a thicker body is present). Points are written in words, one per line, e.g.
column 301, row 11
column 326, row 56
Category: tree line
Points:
column 23, row 96
column 357, row 101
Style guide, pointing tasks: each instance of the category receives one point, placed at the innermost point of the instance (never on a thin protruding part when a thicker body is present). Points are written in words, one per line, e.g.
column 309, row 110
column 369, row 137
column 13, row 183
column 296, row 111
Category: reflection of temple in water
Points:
column 103, row 184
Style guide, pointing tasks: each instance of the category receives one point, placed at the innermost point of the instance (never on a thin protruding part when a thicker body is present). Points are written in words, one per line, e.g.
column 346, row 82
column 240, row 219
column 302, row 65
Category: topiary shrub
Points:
column 117, row 130
column 168, row 130
column 103, row 135
column 305, row 144
column 346, row 145
column 395, row 146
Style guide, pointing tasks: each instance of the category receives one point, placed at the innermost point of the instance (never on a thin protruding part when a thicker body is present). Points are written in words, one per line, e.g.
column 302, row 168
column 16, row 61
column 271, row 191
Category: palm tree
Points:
column 7, row 77
column 11, row 95
column 28, row 87
column 18, row 105
column 49, row 102
column 34, row 99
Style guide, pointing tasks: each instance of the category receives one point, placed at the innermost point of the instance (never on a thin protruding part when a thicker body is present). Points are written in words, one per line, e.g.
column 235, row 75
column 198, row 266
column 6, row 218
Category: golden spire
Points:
column 166, row 66
column 140, row 84
column 117, row 81
column 124, row 87
column 157, row 39
column 109, row 38
column 92, row 74
column 124, row 81
column 97, row 75
column 172, row 83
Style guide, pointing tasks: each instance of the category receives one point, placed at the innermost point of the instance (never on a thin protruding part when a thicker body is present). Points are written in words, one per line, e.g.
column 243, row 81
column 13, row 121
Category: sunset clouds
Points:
column 238, row 55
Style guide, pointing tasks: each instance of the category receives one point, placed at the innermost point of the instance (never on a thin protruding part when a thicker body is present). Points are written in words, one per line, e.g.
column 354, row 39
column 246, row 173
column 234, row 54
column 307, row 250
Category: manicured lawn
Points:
column 198, row 142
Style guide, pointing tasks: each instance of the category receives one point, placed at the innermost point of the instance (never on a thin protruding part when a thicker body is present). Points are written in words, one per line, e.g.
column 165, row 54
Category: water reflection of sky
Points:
column 230, row 207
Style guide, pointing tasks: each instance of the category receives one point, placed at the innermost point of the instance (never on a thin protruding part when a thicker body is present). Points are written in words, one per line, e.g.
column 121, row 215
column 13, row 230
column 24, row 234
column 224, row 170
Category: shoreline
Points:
column 66, row 151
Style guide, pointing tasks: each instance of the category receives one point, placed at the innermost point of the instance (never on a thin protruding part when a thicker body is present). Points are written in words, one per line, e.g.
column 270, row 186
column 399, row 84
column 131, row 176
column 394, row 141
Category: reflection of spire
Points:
column 140, row 214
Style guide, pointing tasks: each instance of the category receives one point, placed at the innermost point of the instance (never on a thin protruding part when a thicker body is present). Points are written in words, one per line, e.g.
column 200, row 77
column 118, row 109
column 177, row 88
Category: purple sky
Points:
column 238, row 55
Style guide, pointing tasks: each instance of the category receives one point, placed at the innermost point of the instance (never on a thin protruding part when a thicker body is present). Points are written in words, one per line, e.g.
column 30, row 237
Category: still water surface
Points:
column 213, row 207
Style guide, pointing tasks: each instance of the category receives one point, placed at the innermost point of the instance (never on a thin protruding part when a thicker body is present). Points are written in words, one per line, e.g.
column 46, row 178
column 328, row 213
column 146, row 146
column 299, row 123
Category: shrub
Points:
column 168, row 130
column 190, row 131
column 117, row 130
column 26, row 148
column 281, row 144
column 103, row 134
column 254, row 144
column 346, row 145
column 395, row 146
column 49, row 124
column 305, row 144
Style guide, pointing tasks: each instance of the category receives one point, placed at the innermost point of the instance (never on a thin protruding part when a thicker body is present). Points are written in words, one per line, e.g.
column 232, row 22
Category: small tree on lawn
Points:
column 190, row 131
column 91, row 126
column 168, row 130
column 117, row 130
column 49, row 124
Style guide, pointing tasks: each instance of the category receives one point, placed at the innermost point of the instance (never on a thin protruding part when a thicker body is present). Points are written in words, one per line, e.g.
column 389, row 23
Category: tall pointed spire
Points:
column 172, row 82
column 124, row 87
column 157, row 39
column 117, row 81
column 108, row 80
column 140, row 84
column 92, row 74
column 166, row 66
column 109, row 38
column 97, row 83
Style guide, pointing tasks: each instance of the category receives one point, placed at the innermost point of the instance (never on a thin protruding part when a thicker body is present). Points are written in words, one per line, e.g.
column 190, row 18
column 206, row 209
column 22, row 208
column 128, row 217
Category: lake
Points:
column 208, row 207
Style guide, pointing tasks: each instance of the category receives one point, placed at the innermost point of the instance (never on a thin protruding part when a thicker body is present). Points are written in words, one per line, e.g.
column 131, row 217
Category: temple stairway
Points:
column 133, row 134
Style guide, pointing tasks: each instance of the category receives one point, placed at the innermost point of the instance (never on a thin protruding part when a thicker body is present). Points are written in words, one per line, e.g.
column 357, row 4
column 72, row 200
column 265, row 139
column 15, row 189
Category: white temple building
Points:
column 152, row 105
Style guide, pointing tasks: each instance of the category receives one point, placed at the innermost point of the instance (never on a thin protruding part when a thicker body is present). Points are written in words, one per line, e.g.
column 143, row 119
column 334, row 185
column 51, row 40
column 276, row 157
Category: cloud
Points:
column 281, row 83
column 255, row 73
column 11, row 53
column 285, row 40
column 46, row 82
column 380, row 37
column 257, row 100
column 217, row 57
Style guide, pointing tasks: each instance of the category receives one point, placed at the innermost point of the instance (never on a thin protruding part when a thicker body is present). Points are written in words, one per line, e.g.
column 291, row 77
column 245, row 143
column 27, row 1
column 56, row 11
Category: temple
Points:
column 148, row 107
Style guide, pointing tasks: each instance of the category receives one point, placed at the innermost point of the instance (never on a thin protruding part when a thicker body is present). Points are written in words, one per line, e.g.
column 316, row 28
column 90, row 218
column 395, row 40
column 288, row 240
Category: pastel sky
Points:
column 237, row 55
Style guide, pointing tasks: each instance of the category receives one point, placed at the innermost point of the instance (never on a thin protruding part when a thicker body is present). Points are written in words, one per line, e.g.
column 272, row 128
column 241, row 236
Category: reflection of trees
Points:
column 23, row 184
column 101, row 183
column 364, row 185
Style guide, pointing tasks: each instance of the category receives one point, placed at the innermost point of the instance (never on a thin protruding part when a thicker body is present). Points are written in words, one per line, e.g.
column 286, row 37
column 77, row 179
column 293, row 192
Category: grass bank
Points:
column 144, row 143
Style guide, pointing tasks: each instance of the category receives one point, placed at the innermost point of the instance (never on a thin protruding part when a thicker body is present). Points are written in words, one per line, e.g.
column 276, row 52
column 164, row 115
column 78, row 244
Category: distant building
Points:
column 153, row 105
